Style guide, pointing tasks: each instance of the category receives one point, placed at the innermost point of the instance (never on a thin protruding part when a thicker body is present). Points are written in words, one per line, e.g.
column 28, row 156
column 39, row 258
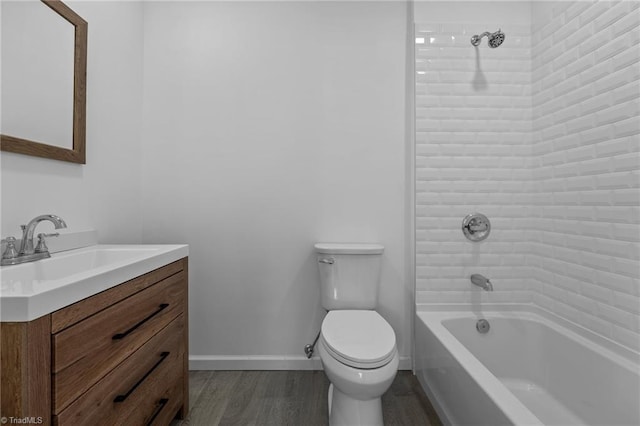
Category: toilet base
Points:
column 347, row 411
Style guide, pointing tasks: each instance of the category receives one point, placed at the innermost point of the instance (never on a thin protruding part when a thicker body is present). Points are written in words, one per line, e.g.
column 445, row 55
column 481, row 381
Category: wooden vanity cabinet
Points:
column 118, row 357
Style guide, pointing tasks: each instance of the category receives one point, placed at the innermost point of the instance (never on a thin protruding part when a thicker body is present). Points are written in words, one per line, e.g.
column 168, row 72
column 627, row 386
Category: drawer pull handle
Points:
column 158, row 409
column 129, row 331
column 121, row 398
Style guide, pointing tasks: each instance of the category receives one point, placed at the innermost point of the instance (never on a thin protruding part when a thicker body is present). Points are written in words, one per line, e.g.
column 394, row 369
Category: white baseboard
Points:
column 264, row 362
column 258, row 362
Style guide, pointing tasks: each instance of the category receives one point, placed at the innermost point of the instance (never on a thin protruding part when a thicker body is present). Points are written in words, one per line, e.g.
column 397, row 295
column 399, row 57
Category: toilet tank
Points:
column 349, row 274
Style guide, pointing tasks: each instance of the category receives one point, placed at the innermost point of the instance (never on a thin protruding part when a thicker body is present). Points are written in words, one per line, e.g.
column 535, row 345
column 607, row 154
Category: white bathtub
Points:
column 531, row 368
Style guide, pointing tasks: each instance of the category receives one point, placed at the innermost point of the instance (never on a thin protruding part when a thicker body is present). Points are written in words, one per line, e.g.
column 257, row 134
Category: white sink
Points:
column 33, row 289
column 69, row 263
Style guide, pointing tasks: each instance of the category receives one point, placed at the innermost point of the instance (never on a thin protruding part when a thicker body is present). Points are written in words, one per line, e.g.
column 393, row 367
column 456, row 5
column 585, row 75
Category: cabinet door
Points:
column 25, row 370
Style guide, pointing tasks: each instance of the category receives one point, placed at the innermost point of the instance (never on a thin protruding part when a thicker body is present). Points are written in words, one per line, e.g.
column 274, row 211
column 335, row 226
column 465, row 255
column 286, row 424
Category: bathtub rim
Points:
column 433, row 316
column 602, row 344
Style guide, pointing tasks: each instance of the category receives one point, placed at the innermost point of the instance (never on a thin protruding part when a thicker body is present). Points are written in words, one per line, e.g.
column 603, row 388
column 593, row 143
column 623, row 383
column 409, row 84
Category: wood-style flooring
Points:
column 295, row 398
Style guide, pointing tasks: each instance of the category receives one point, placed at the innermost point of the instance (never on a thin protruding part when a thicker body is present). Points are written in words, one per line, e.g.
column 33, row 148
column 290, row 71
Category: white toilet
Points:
column 357, row 346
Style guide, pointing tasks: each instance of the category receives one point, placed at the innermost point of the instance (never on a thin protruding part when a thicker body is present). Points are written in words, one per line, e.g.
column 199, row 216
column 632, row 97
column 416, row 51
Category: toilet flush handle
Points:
column 327, row 260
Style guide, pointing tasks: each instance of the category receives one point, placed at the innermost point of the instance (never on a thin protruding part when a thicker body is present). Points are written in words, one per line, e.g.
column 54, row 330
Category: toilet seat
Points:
column 358, row 338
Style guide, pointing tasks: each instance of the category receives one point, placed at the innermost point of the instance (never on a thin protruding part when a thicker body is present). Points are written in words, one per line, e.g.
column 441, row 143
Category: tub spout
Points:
column 482, row 282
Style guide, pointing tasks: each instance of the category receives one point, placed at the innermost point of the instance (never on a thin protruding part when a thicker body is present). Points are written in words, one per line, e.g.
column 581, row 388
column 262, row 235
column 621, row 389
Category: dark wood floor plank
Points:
column 406, row 404
column 197, row 383
column 291, row 398
column 245, row 402
column 276, row 404
column 212, row 402
column 280, row 404
column 312, row 388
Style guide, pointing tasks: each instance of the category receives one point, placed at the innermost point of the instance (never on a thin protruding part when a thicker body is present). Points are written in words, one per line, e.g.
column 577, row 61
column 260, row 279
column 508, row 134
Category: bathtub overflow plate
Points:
column 483, row 326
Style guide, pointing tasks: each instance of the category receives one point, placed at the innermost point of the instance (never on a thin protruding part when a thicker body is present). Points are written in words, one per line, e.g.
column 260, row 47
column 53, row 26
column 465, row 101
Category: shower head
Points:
column 495, row 39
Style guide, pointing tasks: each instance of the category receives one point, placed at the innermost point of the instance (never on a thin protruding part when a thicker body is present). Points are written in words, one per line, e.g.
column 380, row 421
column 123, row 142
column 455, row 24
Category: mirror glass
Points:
column 37, row 73
column 43, row 54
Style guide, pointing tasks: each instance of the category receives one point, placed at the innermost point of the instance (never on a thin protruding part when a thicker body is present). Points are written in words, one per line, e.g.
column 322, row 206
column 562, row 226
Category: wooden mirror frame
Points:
column 39, row 149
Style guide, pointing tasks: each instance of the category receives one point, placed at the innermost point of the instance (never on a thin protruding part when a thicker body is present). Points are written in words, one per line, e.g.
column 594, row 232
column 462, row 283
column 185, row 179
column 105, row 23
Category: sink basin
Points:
column 33, row 289
column 74, row 262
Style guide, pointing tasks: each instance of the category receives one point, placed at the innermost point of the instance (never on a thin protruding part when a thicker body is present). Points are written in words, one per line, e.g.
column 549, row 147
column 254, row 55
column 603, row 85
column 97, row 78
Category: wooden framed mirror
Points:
column 27, row 137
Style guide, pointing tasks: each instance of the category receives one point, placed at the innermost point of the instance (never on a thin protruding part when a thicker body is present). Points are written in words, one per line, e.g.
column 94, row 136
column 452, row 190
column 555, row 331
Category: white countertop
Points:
column 31, row 290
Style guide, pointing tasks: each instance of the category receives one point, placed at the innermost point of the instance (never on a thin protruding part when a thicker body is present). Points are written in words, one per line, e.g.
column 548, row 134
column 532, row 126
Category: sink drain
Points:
column 483, row 326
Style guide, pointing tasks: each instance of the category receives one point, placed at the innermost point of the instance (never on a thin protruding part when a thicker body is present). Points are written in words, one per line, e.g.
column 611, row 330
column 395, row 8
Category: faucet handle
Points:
column 10, row 252
column 42, row 245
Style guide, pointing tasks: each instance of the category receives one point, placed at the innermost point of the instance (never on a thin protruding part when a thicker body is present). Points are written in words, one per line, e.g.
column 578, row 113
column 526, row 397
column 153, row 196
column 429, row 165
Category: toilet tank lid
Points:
column 349, row 248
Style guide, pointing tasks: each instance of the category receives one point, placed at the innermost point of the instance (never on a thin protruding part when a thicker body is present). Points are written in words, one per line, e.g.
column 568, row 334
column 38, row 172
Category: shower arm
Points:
column 475, row 40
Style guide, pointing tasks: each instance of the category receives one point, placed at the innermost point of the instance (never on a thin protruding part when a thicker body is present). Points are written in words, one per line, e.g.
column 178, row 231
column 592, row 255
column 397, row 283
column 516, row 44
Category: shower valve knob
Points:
column 476, row 227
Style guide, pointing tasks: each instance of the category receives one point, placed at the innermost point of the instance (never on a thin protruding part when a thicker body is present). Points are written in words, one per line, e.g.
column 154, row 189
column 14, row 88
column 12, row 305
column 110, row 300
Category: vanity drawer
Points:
column 144, row 389
column 87, row 351
column 83, row 309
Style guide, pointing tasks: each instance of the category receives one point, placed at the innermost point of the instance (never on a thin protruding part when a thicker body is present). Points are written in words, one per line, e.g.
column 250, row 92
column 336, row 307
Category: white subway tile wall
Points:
column 542, row 135
column 585, row 165
column 473, row 154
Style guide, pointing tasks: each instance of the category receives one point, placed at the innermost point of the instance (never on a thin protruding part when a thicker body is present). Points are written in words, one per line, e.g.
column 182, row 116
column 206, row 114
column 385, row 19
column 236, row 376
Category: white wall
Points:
column 268, row 127
column 104, row 194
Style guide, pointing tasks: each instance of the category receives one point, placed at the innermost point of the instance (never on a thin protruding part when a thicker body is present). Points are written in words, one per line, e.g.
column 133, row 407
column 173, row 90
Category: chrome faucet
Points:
column 482, row 282
column 26, row 247
column 27, row 253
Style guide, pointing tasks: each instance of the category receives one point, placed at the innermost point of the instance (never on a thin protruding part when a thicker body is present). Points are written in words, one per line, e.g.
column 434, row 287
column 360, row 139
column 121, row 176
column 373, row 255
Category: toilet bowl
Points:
column 359, row 355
